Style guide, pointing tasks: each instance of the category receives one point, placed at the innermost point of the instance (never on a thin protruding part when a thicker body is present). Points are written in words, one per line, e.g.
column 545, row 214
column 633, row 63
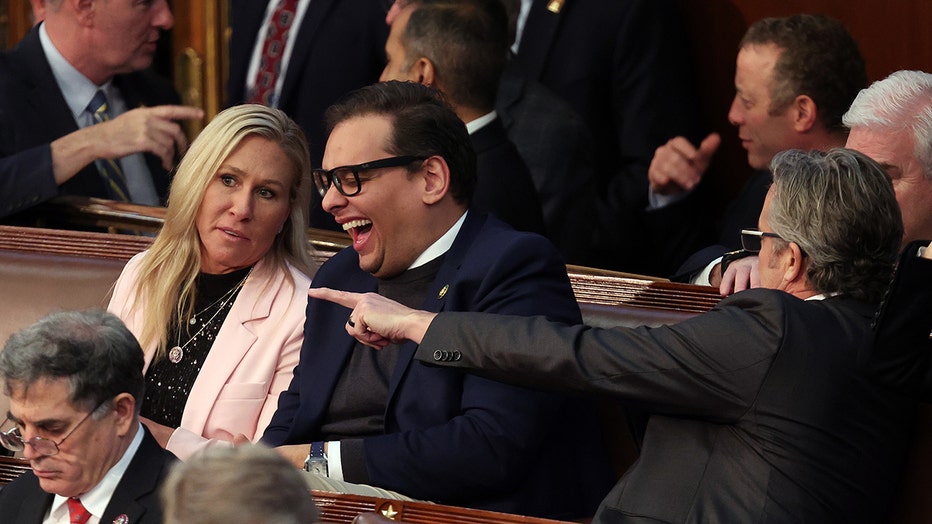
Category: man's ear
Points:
column 794, row 269
column 423, row 71
column 436, row 175
column 84, row 10
column 124, row 411
column 805, row 113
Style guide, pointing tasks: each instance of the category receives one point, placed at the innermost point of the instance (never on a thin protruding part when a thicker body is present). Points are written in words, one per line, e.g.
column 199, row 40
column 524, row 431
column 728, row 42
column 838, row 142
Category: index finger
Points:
column 343, row 298
column 683, row 147
column 171, row 112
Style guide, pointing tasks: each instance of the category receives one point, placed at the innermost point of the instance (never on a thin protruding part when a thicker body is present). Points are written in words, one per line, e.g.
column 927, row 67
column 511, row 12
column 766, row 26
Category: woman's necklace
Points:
column 176, row 354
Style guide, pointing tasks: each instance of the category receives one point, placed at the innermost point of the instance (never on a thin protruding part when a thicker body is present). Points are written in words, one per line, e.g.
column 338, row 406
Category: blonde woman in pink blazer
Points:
column 218, row 301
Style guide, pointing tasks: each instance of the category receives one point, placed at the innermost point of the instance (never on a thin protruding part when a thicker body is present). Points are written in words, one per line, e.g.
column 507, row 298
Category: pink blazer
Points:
column 250, row 363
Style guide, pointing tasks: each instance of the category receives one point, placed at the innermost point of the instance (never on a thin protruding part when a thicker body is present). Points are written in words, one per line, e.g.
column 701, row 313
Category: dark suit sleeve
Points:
column 711, row 365
column 26, row 179
column 901, row 353
column 493, row 436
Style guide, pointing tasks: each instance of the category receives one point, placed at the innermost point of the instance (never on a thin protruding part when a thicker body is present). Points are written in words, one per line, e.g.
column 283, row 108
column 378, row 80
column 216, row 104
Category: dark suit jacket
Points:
column 33, row 113
column 504, row 186
column 758, row 412
column 451, row 437
column 136, row 496
column 625, row 67
column 901, row 354
column 742, row 213
column 340, row 47
column 555, row 143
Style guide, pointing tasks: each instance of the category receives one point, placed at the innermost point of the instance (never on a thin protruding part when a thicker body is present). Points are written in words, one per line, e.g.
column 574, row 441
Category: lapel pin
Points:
column 554, row 6
column 121, row 519
column 443, row 291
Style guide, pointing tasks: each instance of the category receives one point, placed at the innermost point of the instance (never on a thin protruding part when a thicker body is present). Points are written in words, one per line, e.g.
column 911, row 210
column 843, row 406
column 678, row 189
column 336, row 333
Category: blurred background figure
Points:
column 81, row 115
column 459, row 48
column 304, row 55
column 218, row 301
column 248, row 484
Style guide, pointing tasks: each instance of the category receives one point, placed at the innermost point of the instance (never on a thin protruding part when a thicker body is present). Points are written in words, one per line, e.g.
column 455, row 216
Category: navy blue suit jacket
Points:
column 340, row 47
column 33, row 113
column 136, row 496
column 452, row 437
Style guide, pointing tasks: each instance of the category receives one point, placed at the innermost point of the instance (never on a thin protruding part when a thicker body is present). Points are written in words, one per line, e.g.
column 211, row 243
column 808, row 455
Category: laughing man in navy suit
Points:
column 399, row 178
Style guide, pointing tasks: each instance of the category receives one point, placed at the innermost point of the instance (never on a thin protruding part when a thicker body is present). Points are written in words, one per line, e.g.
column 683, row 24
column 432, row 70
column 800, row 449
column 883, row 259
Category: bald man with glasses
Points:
column 75, row 383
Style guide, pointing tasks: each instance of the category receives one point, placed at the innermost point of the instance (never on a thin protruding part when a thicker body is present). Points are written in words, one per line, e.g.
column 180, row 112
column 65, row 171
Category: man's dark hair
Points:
column 819, row 58
column 423, row 124
column 466, row 40
column 93, row 350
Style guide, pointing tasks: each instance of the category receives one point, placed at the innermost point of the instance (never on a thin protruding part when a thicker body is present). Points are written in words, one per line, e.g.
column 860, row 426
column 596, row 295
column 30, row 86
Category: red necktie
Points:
column 79, row 514
column 273, row 48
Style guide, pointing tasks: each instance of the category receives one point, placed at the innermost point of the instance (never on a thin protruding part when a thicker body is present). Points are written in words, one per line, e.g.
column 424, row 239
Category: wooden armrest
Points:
column 11, row 468
column 343, row 507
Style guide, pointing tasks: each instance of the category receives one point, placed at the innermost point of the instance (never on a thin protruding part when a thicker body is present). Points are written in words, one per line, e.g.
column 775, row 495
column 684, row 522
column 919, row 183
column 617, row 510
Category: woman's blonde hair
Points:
column 165, row 288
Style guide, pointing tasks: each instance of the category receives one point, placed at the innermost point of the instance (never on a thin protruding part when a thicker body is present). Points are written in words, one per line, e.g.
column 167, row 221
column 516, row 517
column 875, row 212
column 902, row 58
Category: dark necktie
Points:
column 109, row 167
column 270, row 63
column 78, row 513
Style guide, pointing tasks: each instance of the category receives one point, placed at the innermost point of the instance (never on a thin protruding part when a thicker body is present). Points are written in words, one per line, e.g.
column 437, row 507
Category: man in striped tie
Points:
column 80, row 114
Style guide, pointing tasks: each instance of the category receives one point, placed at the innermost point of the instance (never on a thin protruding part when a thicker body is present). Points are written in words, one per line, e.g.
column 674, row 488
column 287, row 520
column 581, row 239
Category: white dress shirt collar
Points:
column 479, row 123
column 77, row 89
column 97, row 499
column 441, row 245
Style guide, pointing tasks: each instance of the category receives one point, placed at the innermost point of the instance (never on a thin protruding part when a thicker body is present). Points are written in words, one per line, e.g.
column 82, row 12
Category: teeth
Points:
column 355, row 223
column 231, row 233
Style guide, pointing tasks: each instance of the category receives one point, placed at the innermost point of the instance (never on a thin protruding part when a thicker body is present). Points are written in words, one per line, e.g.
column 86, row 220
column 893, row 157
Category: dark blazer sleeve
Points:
column 684, row 369
column 901, row 353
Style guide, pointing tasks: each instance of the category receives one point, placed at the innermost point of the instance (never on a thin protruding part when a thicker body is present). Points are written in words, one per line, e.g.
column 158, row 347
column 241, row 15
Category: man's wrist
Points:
column 316, row 461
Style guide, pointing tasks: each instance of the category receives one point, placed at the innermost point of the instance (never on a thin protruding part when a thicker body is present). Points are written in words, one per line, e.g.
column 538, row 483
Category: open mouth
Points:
column 358, row 229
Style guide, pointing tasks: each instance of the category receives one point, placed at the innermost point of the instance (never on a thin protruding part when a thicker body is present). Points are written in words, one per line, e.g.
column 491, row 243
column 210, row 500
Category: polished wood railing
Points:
column 343, row 508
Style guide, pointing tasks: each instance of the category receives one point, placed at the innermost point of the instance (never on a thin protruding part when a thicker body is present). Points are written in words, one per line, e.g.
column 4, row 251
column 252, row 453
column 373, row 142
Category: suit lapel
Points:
column 247, row 17
column 540, row 32
column 234, row 340
column 35, row 504
column 440, row 291
column 43, row 97
column 316, row 13
column 141, row 479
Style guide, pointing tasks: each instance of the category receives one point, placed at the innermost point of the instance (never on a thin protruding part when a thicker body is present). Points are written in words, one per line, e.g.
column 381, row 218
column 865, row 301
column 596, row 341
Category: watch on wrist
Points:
column 316, row 461
column 731, row 256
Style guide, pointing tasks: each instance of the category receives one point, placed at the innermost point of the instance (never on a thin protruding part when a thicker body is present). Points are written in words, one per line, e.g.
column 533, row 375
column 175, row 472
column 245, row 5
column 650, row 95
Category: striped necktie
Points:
column 273, row 49
column 78, row 513
column 109, row 168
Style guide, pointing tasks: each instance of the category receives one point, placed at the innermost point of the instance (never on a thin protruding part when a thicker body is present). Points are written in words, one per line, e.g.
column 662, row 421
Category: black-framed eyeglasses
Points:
column 751, row 239
column 12, row 439
column 346, row 178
